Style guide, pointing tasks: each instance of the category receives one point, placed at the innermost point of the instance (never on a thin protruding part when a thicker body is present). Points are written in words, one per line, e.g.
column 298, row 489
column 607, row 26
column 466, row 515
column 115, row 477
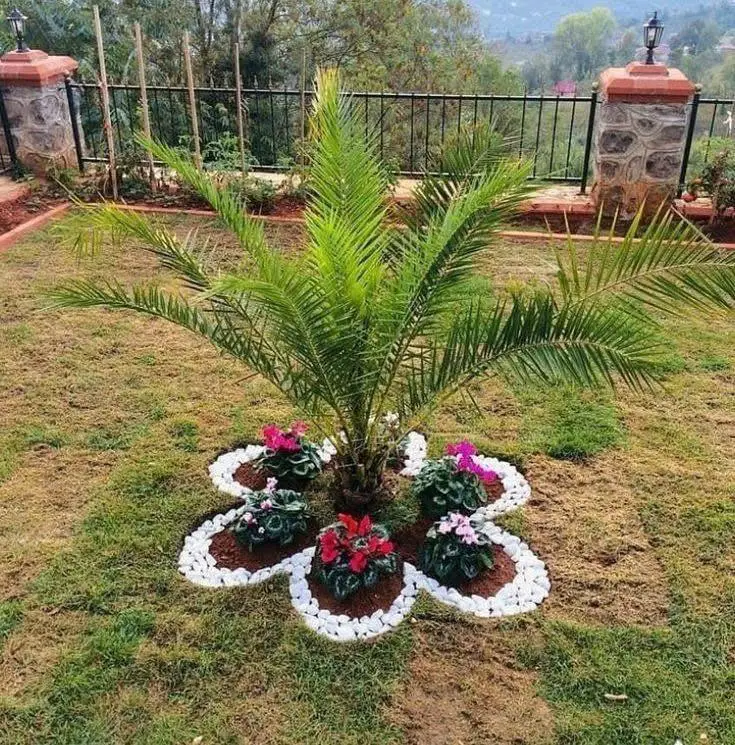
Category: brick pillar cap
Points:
column 639, row 83
column 34, row 68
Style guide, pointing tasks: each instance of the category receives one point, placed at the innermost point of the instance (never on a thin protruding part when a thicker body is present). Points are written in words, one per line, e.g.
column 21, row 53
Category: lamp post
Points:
column 17, row 23
column 652, row 33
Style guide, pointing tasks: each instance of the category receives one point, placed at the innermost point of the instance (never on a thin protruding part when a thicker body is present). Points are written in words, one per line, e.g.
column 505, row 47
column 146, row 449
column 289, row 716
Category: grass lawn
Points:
column 107, row 424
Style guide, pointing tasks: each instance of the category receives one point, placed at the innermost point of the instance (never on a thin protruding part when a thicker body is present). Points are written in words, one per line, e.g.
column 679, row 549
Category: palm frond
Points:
column 230, row 209
column 670, row 268
column 531, row 338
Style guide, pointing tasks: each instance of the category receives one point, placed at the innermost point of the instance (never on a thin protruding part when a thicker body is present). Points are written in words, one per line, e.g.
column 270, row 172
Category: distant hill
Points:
column 521, row 17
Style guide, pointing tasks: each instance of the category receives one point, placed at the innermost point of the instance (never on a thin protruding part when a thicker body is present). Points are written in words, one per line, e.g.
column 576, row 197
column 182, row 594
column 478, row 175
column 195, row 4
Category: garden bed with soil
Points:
column 517, row 582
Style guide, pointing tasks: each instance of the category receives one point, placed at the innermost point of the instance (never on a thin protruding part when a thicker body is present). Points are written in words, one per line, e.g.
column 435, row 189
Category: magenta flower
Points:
column 464, row 448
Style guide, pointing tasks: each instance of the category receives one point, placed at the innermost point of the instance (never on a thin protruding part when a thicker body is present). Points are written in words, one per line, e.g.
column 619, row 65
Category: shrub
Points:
column 718, row 180
column 454, row 551
column 351, row 555
column 272, row 516
column 454, row 483
column 288, row 455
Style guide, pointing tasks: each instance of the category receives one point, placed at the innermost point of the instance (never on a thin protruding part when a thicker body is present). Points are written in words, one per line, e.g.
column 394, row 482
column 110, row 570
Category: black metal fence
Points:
column 410, row 128
column 8, row 161
column 554, row 132
column 711, row 127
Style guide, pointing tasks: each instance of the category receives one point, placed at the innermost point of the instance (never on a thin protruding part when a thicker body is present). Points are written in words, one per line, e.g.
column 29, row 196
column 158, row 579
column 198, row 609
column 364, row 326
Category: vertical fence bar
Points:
column 523, row 124
column 588, row 143
column 238, row 106
column 426, row 134
column 413, row 108
column 303, row 106
column 7, row 132
column 569, row 141
column 538, row 133
column 192, row 101
column 145, row 114
column 104, row 93
column 273, row 124
column 690, row 138
column 74, row 124
column 711, row 130
column 553, row 137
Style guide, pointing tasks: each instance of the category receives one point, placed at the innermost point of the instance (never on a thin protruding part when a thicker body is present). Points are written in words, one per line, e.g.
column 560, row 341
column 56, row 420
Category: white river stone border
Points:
column 527, row 590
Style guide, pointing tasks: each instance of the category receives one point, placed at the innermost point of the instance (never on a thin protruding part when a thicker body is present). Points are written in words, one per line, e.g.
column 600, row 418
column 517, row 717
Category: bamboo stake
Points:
column 105, row 102
column 303, row 106
column 192, row 101
column 144, row 100
column 238, row 104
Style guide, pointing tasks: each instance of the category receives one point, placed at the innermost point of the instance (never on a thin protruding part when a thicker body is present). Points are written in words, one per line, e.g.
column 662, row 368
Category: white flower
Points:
column 270, row 486
column 261, row 531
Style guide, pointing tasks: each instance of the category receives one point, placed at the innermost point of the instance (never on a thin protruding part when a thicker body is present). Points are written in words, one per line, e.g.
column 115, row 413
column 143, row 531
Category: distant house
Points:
column 565, row 88
column 727, row 46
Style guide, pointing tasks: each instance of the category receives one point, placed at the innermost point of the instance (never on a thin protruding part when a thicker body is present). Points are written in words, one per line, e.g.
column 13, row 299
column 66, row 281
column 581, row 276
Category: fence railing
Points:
column 410, row 128
column 710, row 127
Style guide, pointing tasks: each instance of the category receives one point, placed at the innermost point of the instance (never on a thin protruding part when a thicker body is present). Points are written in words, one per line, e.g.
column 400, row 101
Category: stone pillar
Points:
column 38, row 112
column 640, row 137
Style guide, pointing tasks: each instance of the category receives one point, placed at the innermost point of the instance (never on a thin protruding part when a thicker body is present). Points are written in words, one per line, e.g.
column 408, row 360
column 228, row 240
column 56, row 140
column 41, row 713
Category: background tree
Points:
column 582, row 40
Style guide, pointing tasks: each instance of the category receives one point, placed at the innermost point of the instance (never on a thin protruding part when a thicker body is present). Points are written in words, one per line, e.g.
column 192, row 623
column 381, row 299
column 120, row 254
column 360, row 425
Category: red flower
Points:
column 359, row 561
column 380, row 546
column 330, row 545
column 351, row 525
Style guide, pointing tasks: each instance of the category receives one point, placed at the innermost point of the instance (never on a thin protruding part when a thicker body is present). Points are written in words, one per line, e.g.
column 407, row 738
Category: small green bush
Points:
column 441, row 488
column 454, row 551
column 272, row 516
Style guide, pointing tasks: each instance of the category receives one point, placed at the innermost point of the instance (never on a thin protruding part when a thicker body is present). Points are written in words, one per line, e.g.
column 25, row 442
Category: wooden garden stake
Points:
column 144, row 100
column 238, row 106
column 192, row 101
column 105, row 94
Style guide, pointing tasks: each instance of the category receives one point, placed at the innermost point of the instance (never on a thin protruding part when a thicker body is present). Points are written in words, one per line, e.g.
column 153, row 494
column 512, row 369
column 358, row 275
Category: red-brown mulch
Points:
column 489, row 581
column 364, row 602
column 231, row 555
column 408, row 540
column 249, row 476
column 24, row 208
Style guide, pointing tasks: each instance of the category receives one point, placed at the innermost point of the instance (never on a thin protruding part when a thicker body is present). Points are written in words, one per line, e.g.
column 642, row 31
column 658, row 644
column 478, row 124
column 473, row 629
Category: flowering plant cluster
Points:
column 271, row 516
column 288, row 455
column 351, row 555
column 454, row 551
column 453, row 483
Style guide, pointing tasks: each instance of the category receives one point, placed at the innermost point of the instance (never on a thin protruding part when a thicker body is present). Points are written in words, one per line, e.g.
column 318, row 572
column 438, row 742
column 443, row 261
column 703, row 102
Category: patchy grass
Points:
column 108, row 422
column 566, row 422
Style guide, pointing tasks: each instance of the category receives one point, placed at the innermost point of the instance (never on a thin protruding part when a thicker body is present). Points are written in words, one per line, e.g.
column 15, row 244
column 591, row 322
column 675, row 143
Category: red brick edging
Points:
column 7, row 239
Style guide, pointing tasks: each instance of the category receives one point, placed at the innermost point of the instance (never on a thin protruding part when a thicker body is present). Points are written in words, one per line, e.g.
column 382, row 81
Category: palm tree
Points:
column 374, row 316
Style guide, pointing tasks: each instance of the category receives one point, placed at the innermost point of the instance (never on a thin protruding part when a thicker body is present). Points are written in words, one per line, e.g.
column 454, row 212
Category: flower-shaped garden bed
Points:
column 518, row 582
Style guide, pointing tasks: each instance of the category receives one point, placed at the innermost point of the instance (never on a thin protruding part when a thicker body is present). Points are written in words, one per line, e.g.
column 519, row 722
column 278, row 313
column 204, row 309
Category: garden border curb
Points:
column 13, row 235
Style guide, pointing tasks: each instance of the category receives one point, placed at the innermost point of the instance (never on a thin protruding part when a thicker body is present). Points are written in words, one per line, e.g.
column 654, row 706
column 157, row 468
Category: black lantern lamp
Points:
column 17, row 23
column 652, row 33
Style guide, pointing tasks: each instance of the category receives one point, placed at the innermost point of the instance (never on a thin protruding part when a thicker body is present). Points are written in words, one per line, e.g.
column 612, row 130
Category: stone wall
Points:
column 40, row 125
column 638, row 155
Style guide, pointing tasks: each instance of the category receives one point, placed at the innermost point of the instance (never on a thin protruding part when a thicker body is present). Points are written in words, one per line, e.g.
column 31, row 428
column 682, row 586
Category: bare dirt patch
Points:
column 462, row 687
column 583, row 520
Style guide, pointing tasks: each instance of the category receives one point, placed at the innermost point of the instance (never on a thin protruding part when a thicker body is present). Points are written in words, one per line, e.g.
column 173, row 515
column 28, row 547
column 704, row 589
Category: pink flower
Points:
column 270, row 485
column 266, row 505
column 298, row 428
column 463, row 448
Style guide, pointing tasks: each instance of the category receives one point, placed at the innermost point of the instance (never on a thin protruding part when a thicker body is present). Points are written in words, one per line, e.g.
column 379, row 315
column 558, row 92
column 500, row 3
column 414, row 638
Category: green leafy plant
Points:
column 718, row 181
column 452, row 484
column 455, row 552
column 366, row 318
column 272, row 516
column 289, row 455
column 257, row 194
column 351, row 555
